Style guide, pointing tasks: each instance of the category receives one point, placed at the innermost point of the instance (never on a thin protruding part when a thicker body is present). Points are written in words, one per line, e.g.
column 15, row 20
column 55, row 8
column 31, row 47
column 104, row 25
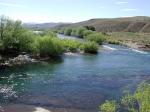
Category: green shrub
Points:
column 96, row 37
column 79, row 32
column 61, row 31
column 89, row 47
column 108, row 106
column 47, row 46
column 92, row 28
column 129, row 103
column 111, row 40
column 137, row 102
column 68, row 31
column 143, row 97
column 14, row 37
column 71, row 45
column 87, row 32
column 48, row 33
column 74, row 32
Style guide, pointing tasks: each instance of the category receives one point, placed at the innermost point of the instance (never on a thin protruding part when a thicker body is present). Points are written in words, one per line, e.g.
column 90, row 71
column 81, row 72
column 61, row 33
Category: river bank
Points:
column 139, row 41
column 27, row 59
column 77, row 83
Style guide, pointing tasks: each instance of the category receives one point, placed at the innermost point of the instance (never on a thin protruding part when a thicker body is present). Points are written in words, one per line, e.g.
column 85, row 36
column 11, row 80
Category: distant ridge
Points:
column 43, row 26
column 128, row 24
column 131, row 24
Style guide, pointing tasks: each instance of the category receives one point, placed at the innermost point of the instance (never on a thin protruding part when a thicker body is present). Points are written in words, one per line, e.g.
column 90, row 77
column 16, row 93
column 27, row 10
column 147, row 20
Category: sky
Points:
column 41, row 11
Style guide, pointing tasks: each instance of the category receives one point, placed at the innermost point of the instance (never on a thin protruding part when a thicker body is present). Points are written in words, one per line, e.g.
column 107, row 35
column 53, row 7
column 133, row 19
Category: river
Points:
column 74, row 83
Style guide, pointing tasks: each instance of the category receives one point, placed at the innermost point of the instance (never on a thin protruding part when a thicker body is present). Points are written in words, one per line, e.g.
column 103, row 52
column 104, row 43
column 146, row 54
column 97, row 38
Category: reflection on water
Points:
column 79, row 82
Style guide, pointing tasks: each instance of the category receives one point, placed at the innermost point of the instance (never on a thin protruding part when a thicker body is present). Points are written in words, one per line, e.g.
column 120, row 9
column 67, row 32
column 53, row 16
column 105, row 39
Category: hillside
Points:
column 43, row 26
column 130, row 24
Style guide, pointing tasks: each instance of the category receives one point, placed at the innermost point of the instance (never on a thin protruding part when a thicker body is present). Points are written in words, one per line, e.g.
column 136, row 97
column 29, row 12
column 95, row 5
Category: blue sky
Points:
column 72, row 10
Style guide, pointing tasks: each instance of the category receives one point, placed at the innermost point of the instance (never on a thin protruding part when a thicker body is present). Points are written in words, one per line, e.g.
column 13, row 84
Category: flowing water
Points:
column 79, row 82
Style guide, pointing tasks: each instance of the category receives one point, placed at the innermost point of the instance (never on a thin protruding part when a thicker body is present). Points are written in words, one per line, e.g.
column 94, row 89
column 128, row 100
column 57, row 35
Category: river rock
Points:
column 19, row 60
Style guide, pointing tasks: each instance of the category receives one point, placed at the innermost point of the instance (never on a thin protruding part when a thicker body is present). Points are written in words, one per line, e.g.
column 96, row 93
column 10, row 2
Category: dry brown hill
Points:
column 131, row 24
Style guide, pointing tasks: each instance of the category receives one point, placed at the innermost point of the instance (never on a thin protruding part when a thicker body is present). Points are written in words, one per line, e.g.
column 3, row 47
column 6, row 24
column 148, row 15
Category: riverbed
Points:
column 73, row 83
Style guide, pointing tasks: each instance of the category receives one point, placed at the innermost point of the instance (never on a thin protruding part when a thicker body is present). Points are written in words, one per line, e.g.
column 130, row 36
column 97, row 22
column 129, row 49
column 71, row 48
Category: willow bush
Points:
column 90, row 47
column 14, row 37
column 71, row 45
column 96, row 37
column 48, row 46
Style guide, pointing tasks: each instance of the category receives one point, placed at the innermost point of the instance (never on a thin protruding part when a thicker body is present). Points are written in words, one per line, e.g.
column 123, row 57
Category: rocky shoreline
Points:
column 26, row 58
column 19, row 60
column 138, row 46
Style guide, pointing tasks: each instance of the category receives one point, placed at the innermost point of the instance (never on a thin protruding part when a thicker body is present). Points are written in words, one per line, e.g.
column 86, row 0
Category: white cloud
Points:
column 121, row 2
column 11, row 5
column 129, row 10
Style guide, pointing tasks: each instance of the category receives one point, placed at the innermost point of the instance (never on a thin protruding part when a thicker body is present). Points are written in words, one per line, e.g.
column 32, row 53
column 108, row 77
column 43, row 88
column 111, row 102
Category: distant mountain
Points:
column 42, row 26
column 131, row 24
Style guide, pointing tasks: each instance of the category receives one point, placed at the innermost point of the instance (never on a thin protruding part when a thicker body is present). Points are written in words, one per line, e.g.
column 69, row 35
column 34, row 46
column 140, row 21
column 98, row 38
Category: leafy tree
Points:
column 3, row 21
column 14, row 37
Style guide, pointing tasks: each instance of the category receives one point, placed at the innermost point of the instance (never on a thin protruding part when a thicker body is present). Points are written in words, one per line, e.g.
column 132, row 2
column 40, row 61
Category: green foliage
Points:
column 143, row 97
column 74, row 32
column 112, row 40
column 48, row 46
column 80, row 32
column 108, row 106
column 138, row 102
column 87, row 32
column 68, row 31
column 48, row 33
column 129, row 103
column 96, row 37
column 92, row 28
column 14, row 37
column 89, row 47
column 71, row 45
column 61, row 31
